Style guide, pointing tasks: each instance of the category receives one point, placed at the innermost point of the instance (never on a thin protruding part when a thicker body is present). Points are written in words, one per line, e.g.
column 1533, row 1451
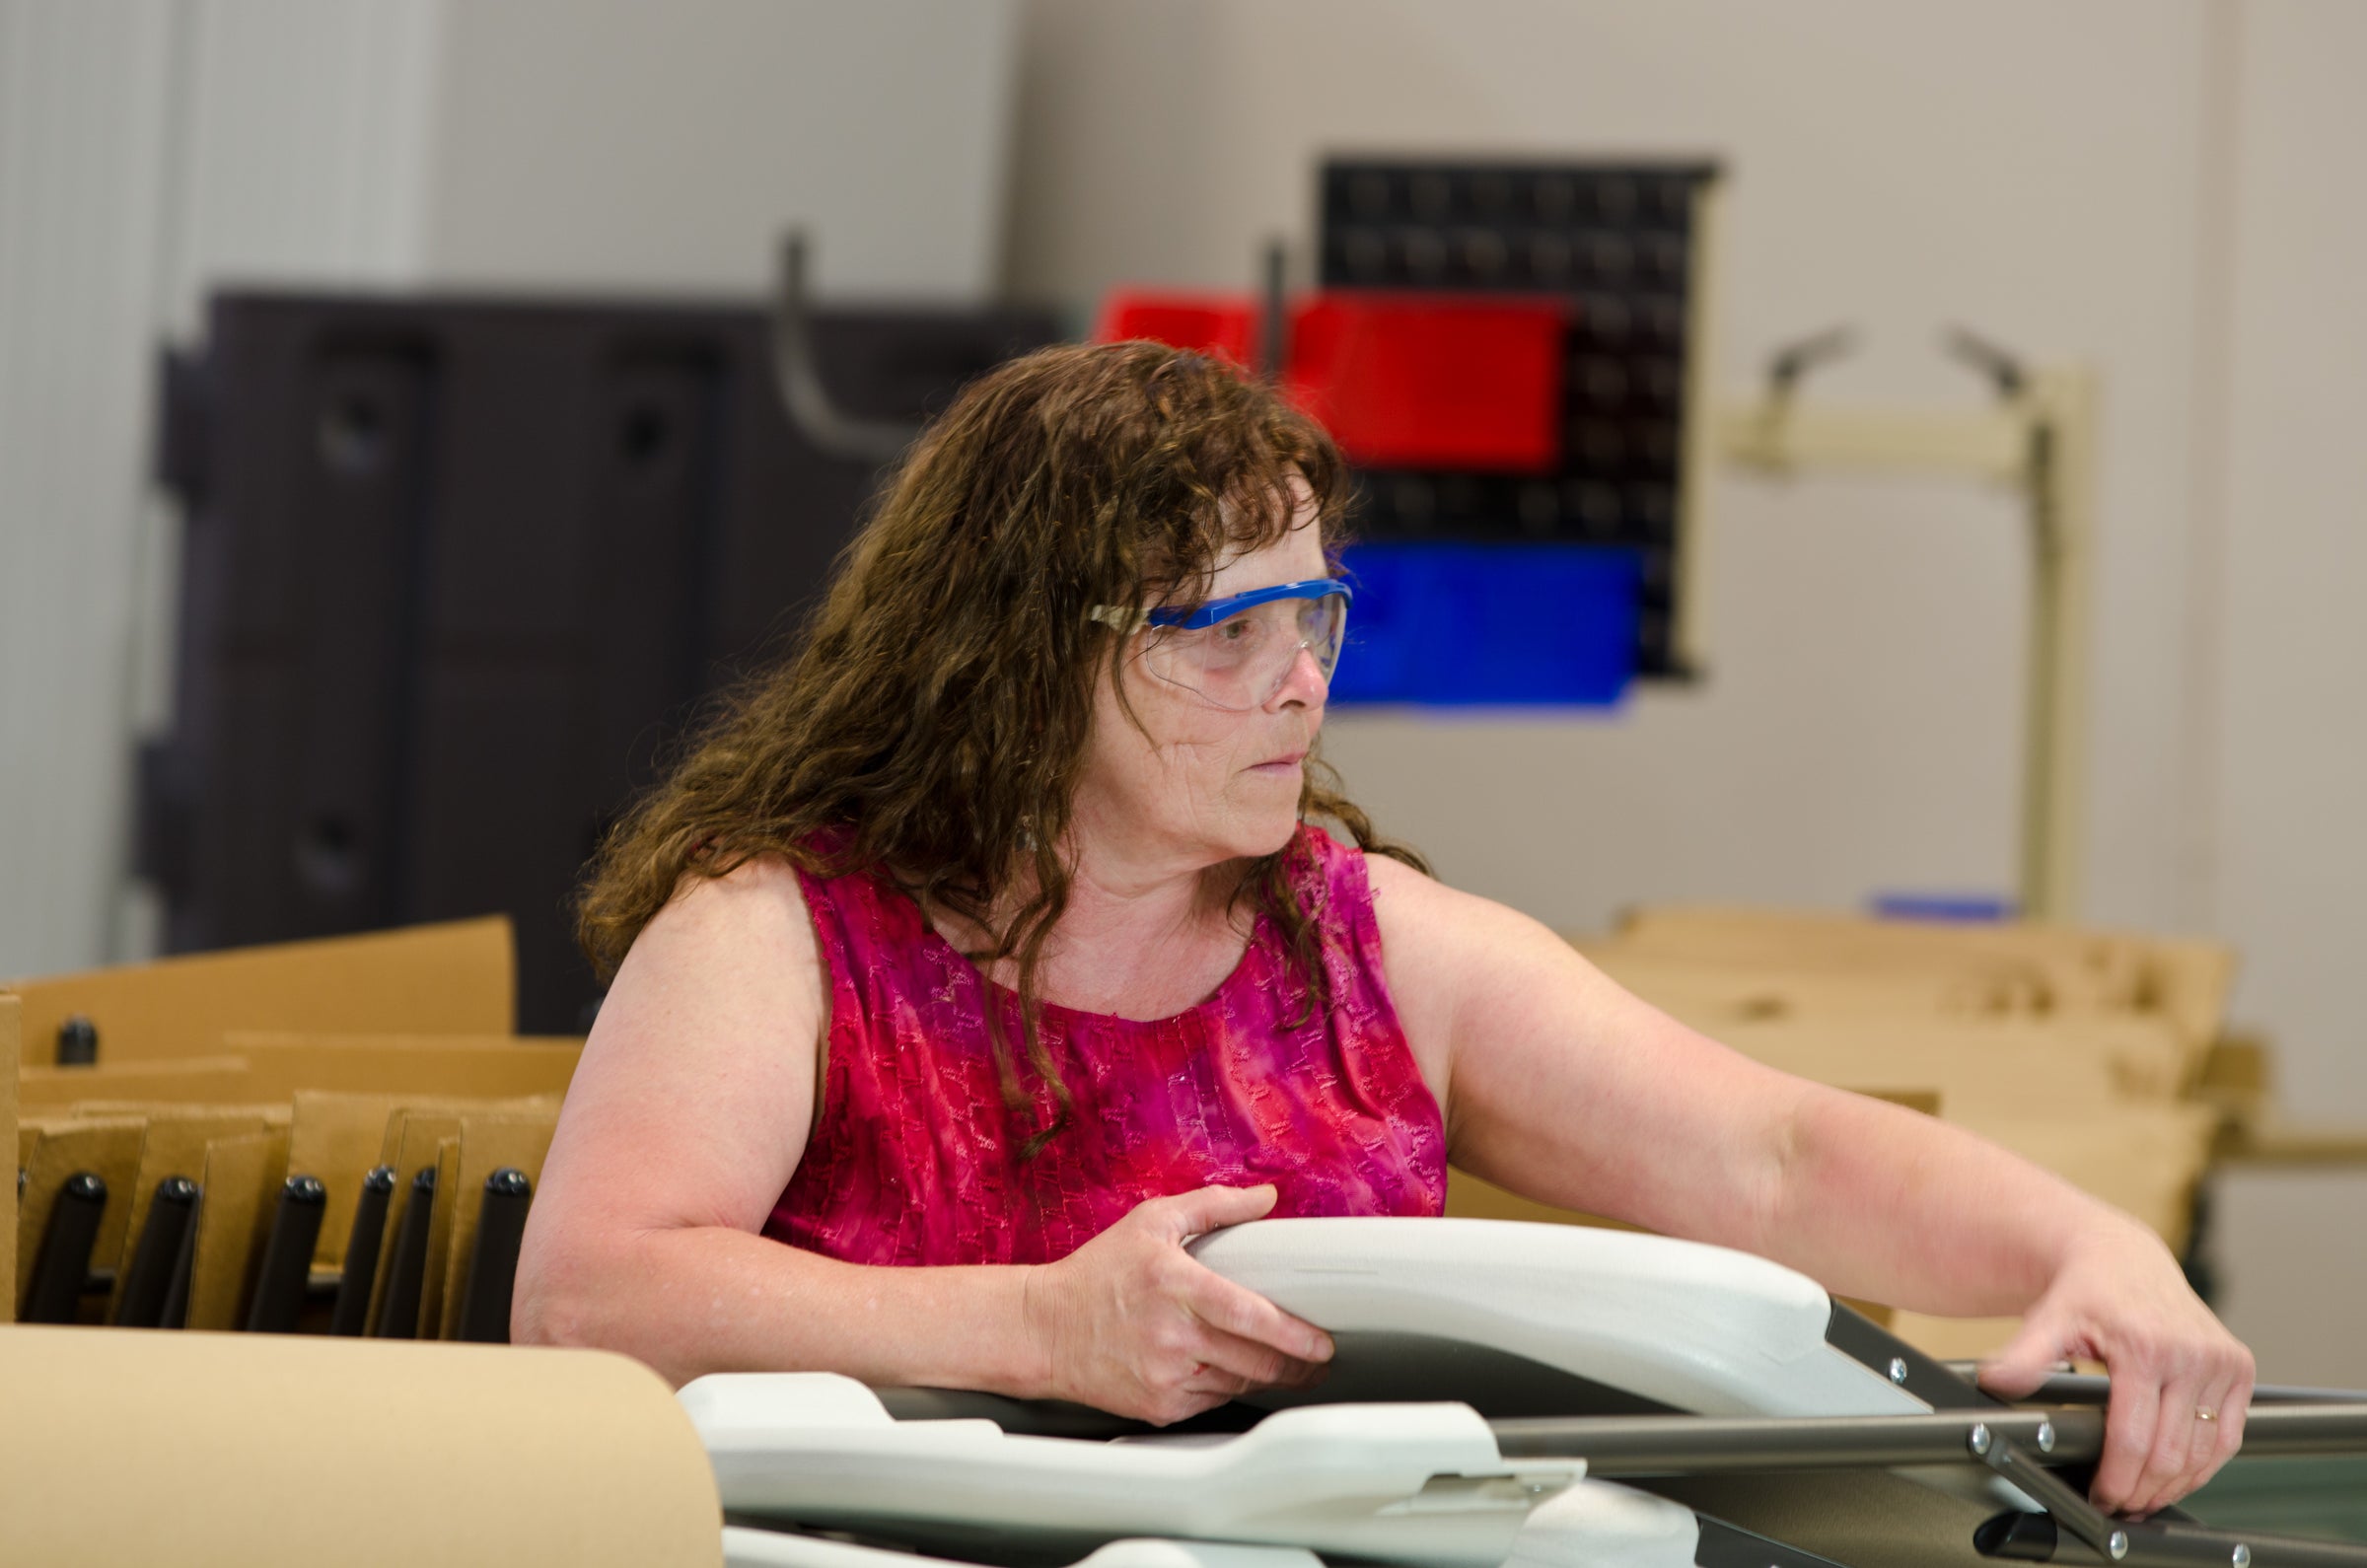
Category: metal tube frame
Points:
column 2019, row 1445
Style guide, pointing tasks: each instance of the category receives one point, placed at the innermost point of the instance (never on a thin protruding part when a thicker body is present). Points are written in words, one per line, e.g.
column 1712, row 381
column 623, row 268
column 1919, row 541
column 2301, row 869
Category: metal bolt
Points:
column 1979, row 1437
column 2117, row 1544
column 1899, row 1369
column 2241, row 1556
column 2046, row 1440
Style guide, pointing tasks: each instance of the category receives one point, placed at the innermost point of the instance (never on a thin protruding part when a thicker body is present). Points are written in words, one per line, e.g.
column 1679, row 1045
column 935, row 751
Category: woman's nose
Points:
column 1302, row 684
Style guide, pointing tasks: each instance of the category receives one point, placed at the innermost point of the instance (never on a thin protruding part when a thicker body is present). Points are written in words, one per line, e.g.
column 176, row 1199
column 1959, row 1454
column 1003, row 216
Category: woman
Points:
column 989, row 952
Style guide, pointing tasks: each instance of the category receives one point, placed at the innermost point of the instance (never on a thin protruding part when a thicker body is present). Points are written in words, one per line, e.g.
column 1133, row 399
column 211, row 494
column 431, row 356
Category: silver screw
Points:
column 1899, row 1369
column 2045, row 1439
column 2117, row 1544
column 1979, row 1437
column 2241, row 1556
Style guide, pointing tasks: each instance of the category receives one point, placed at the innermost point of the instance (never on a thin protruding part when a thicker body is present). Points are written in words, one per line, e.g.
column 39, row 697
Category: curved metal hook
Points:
column 798, row 375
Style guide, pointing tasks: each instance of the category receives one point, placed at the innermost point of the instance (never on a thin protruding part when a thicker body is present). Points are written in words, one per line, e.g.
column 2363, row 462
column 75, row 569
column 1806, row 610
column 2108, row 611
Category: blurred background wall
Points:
column 2155, row 187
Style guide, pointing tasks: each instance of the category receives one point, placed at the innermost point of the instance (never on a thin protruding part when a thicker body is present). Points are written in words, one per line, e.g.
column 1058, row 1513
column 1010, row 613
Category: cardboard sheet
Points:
column 414, row 1140
column 107, row 1147
column 2005, row 1063
column 234, row 1215
column 487, row 1144
column 199, row 1080
column 455, row 978
column 439, row 1239
column 256, row 1450
column 477, row 1066
column 174, row 1146
column 2183, row 981
column 339, row 1137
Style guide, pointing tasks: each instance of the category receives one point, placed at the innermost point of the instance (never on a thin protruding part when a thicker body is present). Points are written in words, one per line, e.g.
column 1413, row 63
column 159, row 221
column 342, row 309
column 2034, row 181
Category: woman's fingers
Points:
column 1197, row 1213
column 1255, row 1364
column 2130, row 1423
column 1243, row 1314
column 2210, row 1409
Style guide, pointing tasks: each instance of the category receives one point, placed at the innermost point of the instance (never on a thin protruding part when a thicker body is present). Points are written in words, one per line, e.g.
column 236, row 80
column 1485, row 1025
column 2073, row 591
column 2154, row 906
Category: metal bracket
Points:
column 796, row 372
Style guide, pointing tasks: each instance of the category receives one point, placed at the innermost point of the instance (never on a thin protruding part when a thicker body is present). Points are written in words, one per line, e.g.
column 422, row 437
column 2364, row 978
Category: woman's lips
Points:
column 1280, row 764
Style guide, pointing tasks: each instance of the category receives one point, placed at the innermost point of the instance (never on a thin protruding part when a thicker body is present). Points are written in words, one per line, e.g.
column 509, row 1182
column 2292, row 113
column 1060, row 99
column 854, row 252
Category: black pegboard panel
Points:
column 1621, row 242
column 456, row 570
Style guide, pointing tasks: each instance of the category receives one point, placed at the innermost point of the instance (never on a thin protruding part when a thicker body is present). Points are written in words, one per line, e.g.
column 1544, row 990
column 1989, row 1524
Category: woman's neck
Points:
column 1137, row 938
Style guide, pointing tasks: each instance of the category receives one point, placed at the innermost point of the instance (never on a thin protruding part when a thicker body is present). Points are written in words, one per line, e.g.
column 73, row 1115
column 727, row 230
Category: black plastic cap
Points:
column 77, row 1043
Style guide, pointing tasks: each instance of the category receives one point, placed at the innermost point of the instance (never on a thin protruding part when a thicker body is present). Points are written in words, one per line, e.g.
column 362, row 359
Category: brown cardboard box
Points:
column 455, row 978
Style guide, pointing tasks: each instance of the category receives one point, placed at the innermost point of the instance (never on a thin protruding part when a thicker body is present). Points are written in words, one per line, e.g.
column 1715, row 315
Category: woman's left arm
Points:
column 1562, row 1087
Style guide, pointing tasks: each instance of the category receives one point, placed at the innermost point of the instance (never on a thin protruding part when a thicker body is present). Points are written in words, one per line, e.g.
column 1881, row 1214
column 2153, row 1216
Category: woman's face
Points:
column 1207, row 783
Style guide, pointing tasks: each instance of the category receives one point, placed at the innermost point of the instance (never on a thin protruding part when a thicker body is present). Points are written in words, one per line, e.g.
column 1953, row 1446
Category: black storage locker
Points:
column 458, row 571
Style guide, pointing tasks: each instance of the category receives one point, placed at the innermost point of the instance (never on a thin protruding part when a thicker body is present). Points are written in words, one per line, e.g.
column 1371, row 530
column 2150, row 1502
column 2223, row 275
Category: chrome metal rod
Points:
column 1661, row 1445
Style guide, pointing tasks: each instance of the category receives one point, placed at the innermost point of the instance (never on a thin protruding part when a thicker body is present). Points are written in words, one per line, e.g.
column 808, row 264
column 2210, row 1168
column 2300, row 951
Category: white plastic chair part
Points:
column 1700, row 1328
column 1405, row 1483
column 744, row 1548
column 1603, row 1524
column 1589, row 1524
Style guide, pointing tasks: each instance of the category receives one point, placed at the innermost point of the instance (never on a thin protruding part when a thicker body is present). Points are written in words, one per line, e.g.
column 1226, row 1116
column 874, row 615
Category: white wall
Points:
column 150, row 151
column 2290, row 852
column 619, row 144
column 2062, row 178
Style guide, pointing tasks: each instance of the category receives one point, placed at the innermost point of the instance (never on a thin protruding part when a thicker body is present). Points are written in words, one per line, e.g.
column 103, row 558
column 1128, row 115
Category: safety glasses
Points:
column 1236, row 652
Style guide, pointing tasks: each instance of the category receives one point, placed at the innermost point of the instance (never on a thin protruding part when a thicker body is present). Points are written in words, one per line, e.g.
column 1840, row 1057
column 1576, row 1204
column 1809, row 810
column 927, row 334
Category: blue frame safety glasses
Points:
column 1236, row 652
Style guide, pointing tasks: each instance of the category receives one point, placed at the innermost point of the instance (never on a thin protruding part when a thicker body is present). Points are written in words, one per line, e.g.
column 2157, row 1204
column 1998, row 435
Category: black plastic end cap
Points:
column 77, row 1043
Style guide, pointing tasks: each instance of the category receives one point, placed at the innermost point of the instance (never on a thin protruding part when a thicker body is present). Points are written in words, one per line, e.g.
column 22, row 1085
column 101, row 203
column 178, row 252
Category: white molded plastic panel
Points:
column 1599, row 1525
column 1404, row 1483
column 1589, row 1524
column 765, row 1548
column 1701, row 1329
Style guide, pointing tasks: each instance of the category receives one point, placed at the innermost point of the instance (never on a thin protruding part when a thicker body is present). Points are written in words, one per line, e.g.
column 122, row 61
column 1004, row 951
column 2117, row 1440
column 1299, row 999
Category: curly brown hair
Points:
column 933, row 723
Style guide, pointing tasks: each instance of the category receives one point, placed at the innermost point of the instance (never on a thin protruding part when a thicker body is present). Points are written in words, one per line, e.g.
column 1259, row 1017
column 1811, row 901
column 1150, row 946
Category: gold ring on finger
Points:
column 2203, row 1412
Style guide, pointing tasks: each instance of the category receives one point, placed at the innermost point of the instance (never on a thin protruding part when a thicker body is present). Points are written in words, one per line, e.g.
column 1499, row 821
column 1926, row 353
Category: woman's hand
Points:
column 1133, row 1324
column 2181, row 1381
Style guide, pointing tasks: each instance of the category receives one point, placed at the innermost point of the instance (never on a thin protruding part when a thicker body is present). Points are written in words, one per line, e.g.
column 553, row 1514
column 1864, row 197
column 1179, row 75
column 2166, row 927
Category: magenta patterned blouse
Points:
column 914, row 1159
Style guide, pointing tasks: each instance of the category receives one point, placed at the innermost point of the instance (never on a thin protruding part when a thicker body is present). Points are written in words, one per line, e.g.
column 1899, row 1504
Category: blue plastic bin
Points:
column 1489, row 625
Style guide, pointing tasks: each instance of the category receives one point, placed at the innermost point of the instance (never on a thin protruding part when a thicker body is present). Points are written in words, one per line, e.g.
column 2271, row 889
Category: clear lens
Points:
column 1242, row 661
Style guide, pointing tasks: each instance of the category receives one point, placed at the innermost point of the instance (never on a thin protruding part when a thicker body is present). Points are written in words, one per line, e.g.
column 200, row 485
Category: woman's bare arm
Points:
column 1560, row 1085
column 689, row 1115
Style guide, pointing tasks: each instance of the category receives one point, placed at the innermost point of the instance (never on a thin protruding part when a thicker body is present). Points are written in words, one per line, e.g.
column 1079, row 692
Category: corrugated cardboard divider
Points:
column 249, row 1450
column 110, row 1149
column 454, row 979
column 476, row 1066
column 336, row 1138
column 488, row 1143
column 234, row 1216
column 199, row 1080
column 174, row 1146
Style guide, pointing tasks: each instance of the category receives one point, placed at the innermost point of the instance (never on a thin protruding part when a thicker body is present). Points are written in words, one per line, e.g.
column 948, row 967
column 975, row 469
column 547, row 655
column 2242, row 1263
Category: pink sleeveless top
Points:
column 915, row 1159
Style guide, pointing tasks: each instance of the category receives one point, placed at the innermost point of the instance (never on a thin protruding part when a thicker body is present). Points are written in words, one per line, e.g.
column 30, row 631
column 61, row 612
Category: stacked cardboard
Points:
column 246, row 1072
column 2090, row 1053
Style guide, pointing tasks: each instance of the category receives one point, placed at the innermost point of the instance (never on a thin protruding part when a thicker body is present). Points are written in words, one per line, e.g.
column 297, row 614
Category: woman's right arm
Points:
column 687, row 1115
